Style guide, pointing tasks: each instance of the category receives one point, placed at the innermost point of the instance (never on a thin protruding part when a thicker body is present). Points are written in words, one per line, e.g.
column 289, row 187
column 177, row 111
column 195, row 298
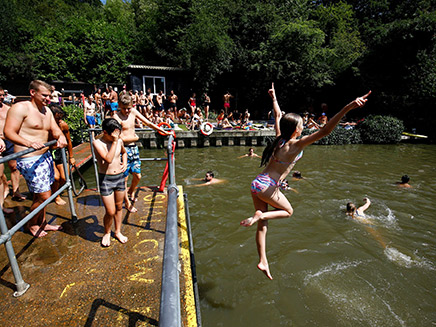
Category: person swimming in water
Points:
column 250, row 154
column 404, row 182
column 279, row 158
column 358, row 213
column 209, row 179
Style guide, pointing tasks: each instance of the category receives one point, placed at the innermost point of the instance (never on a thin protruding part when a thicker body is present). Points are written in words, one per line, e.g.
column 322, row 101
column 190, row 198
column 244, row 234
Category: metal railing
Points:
column 169, row 313
column 6, row 234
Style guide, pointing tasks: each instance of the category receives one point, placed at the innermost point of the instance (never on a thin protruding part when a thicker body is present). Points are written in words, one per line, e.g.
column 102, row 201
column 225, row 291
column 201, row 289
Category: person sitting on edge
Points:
column 358, row 213
column 29, row 125
column 322, row 120
column 404, row 182
column 60, row 178
column 250, row 154
column 111, row 161
column 126, row 117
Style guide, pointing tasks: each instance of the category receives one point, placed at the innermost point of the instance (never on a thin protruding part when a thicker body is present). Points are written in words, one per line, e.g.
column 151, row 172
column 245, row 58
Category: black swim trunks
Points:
column 110, row 183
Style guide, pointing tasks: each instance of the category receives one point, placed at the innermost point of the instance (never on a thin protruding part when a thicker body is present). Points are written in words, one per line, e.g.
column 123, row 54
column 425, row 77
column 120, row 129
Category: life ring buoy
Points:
column 206, row 129
column 164, row 125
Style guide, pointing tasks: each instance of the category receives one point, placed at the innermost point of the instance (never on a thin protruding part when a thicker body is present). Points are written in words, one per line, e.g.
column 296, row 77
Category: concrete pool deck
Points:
column 76, row 282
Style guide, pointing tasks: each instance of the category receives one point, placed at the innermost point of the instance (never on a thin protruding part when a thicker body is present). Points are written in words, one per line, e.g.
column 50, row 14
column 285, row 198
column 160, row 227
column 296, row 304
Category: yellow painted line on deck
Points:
column 68, row 287
column 190, row 308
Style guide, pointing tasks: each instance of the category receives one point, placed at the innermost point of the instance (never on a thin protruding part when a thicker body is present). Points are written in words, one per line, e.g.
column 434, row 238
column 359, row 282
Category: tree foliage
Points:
column 316, row 51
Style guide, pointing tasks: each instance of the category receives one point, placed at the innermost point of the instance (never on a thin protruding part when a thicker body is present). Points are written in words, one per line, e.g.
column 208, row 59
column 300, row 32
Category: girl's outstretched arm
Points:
column 276, row 110
column 365, row 206
column 328, row 128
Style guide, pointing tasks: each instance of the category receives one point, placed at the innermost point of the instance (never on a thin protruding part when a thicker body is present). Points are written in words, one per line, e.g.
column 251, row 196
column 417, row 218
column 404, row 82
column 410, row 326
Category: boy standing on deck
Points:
column 126, row 117
column 111, row 161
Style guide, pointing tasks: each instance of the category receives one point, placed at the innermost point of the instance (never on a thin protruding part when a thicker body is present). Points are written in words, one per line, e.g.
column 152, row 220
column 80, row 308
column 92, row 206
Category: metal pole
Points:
column 68, row 182
column 7, row 234
column 21, row 285
column 169, row 313
column 16, row 155
column 94, row 161
column 33, row 213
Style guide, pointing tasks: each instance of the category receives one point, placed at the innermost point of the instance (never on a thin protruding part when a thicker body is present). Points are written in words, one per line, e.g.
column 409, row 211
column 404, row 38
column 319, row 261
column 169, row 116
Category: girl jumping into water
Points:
column 279, row 158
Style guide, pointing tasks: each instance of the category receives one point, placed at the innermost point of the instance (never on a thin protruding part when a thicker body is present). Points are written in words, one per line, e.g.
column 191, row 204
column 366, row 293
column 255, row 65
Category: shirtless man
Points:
column 106, row 103
column 113, row 98
column 226, row 99
column 28, row 125
column 98, row 103
column 89, row 112
column 15, row 174
column 150, row 99
column 173, row 101
column 142, row 102
column 126, row 117
column 55, row 95
column 159, row 99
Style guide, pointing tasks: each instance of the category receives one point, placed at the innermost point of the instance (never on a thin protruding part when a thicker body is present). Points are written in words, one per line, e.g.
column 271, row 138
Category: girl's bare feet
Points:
column 252, row 220
column 265, row 269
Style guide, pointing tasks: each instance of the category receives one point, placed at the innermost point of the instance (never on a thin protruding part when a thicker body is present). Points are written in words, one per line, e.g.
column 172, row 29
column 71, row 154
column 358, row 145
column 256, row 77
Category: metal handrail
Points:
column 82, row 181
column 169, row 313
column 6, row 234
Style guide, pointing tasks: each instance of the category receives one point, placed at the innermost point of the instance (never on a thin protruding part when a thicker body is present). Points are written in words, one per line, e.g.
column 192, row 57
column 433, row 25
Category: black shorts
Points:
column 110, row 183
column 9, row 148
column 57, row 156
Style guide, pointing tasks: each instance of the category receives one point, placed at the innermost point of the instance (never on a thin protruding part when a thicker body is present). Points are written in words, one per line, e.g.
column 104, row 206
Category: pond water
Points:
column 328, row 270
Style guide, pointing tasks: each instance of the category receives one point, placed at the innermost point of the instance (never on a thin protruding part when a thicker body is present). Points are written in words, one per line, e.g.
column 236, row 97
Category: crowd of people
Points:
column 161, row 108
column 157, row 108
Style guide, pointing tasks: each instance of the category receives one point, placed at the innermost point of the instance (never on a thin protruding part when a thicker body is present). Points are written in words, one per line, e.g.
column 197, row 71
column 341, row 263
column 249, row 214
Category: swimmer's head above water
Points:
column 209, row 176
column 297, row 175
column 351, row 208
